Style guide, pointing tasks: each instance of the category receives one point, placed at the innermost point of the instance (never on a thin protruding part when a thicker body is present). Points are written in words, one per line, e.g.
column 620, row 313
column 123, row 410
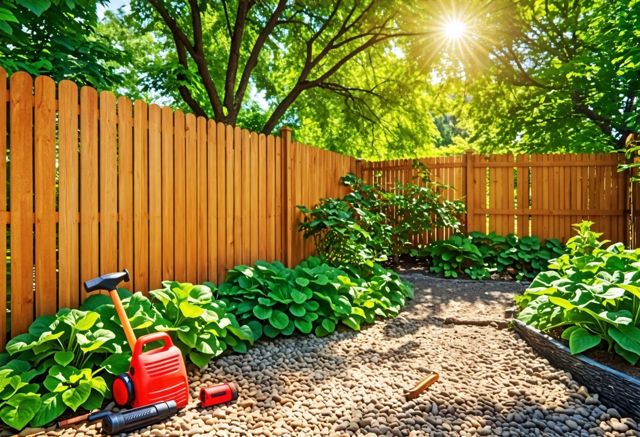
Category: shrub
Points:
column 312, row 297
column 591, row 293
column 199, row 325
column 370, row 224
column 478, row 255
column 68, row 360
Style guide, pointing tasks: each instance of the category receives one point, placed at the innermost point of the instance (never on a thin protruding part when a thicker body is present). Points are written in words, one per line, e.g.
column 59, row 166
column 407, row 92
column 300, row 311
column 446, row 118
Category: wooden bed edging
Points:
column 615, row 388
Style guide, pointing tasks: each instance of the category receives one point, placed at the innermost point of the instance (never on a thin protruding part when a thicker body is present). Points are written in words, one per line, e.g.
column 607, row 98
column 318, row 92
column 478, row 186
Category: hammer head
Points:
column 108, row 281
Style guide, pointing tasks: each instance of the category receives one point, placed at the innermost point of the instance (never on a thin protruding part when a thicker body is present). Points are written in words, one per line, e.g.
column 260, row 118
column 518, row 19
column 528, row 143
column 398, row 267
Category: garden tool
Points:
column 155, row 375
column 422, row 386
column 126, row 420
column 218, row 394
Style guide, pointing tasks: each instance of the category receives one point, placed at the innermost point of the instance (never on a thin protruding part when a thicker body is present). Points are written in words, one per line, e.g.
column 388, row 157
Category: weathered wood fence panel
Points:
column 100, row 183
column 540, row 195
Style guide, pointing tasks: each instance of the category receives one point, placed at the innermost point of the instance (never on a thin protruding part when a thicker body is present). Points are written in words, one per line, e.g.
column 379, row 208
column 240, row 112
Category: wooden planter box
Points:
column 615, row 389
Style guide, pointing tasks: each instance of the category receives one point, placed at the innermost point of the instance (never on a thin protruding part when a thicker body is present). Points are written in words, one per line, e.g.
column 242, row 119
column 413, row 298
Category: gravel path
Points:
column 491, row 383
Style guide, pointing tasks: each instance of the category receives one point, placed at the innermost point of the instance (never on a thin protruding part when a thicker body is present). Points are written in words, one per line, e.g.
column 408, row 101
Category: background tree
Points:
column 334, row 70
column 555, row 75
column 56, row 38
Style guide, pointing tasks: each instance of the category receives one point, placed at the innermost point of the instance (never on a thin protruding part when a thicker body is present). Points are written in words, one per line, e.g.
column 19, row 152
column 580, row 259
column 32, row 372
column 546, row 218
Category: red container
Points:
column 218, row 394
column 154, row 376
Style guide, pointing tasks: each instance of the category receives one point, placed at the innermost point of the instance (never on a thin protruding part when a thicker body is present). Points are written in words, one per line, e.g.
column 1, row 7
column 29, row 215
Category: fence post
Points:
column 287, row 196
column 468, row 188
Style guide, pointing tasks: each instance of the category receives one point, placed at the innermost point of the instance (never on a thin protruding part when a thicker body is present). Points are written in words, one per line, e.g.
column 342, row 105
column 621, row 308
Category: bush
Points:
column 370, row 224
column 312, row 297
column 479, row 255
column 199, row 325
column 69, row 360
column 591, row 294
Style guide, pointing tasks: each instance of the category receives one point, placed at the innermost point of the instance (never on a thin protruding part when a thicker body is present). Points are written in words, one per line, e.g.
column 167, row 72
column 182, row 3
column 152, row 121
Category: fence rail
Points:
column 540, row 195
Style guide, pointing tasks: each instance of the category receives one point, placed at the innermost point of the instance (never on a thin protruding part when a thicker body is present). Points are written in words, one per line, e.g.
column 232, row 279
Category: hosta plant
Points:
column 61, row 362
column 201, row 326
column 478, row 255
column 591, row 294
column 312, row 297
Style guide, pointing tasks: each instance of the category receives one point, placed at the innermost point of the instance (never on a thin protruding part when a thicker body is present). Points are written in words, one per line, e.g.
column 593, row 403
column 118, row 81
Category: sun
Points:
column 454, row 29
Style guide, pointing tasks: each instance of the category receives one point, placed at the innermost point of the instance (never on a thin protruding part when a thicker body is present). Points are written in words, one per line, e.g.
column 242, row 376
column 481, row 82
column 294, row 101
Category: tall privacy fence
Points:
column 97, row 184
column 540, row 195
column 94, row 183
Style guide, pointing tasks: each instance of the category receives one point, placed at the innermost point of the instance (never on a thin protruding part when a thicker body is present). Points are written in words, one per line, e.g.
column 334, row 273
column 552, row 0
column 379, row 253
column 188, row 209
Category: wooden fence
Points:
column 98, row 183
column 540, row 195
column 94, row 183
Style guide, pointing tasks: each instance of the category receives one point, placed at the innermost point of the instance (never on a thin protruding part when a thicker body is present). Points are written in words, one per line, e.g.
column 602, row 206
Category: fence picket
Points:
column 21, row 194
column 45, row 195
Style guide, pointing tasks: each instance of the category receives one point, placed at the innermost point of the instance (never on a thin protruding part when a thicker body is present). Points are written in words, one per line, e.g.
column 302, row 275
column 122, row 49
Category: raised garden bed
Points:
column 614, row 387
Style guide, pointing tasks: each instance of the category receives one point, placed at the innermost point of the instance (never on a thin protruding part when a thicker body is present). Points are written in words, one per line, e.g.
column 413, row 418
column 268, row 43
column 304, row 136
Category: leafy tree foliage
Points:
column 558, row 75
column 56, row 38
column 336, row 71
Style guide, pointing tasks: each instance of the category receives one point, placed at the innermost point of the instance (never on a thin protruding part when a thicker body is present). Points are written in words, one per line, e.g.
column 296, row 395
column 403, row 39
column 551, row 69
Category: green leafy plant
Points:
column 591, row 293
column 372, row 224
column 455, row 255
column 312, row 297
column 478, row 255
column 55, row 366
column 200, row 326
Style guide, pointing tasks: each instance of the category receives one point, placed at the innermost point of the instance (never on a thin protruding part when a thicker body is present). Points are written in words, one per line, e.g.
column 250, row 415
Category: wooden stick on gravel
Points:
column 422, row 386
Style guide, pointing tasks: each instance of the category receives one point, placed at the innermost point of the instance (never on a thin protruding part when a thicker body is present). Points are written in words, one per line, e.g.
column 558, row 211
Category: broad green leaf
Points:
column 38, row 7
column 50, row 409
column 297, row 310
column 20, row 409
column 628, row 337
column 581, row 340
column 117, row 363
column 298, row 296
column 189, row 338
column 87, row 321
column 63, row 357
column 199, row 359
column 328, row 325
column 74, row 397
column 279, row 320
column 190, row 310
column 303, row 326
column 303, row 282
column 352, row 323
column 262, row 312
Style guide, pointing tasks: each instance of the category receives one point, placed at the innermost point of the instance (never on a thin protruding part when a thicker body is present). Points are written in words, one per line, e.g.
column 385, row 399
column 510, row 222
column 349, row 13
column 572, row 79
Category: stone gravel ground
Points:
column 491, row 382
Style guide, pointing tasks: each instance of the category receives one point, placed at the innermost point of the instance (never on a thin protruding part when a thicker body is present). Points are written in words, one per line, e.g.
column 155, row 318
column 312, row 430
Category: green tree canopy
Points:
column 336, row 71
column 56, row 38
column 554, row 75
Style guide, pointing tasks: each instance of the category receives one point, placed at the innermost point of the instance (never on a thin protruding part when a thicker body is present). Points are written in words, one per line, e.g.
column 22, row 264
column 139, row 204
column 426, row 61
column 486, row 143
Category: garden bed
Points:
column 615, row 387
column 348, row 383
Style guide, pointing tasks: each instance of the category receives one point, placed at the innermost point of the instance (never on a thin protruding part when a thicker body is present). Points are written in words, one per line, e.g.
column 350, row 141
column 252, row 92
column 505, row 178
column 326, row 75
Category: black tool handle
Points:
column 138, row 417
column 108, row 281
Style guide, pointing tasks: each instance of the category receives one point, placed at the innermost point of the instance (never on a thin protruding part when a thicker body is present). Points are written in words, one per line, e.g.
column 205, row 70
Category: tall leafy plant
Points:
column 372, row 224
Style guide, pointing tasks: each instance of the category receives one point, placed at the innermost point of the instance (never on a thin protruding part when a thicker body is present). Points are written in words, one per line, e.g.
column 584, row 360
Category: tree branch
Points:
column 234, row 53
column 252, row 61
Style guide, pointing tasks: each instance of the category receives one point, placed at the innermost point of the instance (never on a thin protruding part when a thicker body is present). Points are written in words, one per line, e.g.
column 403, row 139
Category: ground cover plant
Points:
column 373, row 224
column 590, row 295
column 479, row 255
column 68, row 361
column 312, row 297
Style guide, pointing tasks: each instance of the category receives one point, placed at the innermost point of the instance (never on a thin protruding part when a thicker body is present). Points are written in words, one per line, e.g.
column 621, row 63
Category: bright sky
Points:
column 112, row 5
